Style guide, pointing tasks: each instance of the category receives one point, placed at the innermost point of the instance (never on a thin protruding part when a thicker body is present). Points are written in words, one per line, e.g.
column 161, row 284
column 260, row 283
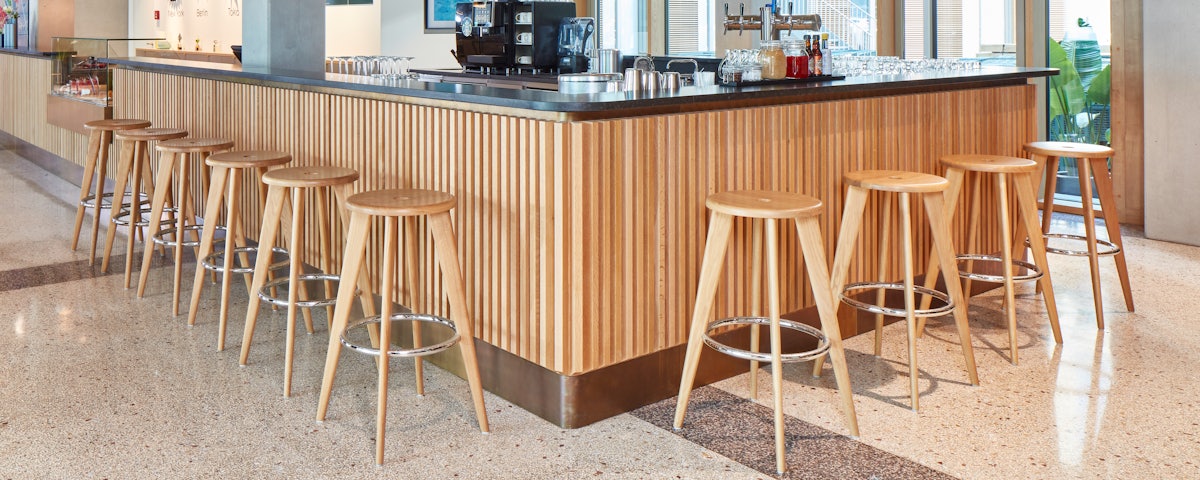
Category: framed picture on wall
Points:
column 439, row 16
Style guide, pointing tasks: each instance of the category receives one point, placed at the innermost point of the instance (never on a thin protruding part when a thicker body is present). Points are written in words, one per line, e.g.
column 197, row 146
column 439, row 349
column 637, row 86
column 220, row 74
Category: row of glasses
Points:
column 740, row 65
column 855, row 66
column 385, row 67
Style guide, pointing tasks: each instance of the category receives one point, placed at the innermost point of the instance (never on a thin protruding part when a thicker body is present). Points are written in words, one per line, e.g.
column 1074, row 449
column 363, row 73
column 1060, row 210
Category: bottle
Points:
column 808, row 52
column 826, row 57
column 817, row 59
column 774, row 62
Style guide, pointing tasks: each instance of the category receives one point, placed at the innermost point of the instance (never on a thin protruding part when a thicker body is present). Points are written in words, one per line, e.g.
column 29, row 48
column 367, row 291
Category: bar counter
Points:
column 581, row 218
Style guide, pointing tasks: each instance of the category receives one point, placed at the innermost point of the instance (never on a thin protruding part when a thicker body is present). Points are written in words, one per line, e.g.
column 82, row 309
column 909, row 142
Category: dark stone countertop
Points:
column 25, row 52
column 687, row 98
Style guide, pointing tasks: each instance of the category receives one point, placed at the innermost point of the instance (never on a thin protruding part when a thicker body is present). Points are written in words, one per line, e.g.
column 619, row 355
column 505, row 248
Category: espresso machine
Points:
column 497, row 36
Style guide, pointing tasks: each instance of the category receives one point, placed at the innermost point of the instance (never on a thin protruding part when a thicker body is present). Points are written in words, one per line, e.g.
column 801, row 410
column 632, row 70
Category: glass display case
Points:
column 77, row 73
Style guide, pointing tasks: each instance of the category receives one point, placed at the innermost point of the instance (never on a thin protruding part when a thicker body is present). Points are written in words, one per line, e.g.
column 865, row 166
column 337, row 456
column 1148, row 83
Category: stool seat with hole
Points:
column 100, row 140
column 765, row 209
column 392, row 205
column 902, row 184
column 228, row 170
column 1020, row 171
column 1091, row 162
column 175, row 161
column 134, row 170
column 291, row 187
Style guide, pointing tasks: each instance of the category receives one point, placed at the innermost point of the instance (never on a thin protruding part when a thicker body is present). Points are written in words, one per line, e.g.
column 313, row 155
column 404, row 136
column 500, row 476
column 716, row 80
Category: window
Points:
column 622, row 25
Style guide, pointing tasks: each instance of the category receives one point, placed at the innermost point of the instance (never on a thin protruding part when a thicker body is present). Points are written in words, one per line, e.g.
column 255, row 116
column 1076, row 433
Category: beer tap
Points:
column 769, row 23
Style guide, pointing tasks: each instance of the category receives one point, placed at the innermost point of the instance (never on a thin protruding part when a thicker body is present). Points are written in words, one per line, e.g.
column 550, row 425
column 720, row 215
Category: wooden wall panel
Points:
column 26, row 83
column 581, row 240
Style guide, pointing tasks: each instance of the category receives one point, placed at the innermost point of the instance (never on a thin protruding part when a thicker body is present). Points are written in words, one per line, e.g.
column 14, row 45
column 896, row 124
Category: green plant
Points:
column 1081, row 110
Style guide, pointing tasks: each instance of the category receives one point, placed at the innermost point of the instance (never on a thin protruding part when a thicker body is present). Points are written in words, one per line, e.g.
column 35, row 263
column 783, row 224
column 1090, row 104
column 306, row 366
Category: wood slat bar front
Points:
column 581, row 240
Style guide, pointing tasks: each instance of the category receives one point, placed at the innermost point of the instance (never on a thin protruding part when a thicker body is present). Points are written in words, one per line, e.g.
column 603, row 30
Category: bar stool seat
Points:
column 175, row 160
column 1092, row 162
column 1021, row 171
column 392, row 205
column 904, row 184
column 134, row 169
column 100, row 139
column 291, row 185
column 227, row 177
column 765, row 207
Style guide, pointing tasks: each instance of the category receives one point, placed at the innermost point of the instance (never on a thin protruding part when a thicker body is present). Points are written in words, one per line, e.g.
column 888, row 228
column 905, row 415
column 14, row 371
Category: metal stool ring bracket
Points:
column 404, row 353
column 946, row 307
column 822, row 341
column 1035, row 273
column 216, row 261
column 265, row 293
column 1110, row 247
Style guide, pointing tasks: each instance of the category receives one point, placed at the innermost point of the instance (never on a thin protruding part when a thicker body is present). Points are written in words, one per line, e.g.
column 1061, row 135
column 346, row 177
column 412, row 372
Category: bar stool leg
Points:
column 945, row 252
column 957, row 177
column 325, row 245
column 1108, row 204
column 385, row 339
column 410, row 278
column 852, row 219
column 1089, row 226
column 188, row 213
column 212, row 205
column 166, row 165
column 772, row 227
column 272, row 212
column 356, row 241
column 756, row 262
column 101, row 168
column 910, row 304
column 141, row 174
column 719, row 229
column 85, row 186
column 811, row 245
column 885, row 235
column 972, row 226
column 296, row 251
column 446, row 247
column 234, row 232
column 1051, row 170
column 124, row 166
column 1027, row 205
column 1010, row 301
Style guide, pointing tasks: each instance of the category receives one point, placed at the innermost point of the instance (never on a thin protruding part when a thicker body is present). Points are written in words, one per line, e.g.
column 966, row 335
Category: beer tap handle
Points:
column 741, row 18
column 724, row 25
column 791, row 18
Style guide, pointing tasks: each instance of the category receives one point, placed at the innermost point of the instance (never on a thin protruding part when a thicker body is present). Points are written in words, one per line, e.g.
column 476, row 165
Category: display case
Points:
column 78, row 74
column 80, row 82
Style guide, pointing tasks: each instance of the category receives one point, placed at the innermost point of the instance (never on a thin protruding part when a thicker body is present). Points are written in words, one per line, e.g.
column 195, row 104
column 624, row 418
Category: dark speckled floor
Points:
column 744, row 431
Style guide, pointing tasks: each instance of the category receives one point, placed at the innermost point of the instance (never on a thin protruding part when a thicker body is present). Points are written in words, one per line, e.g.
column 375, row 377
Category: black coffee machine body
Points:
column 505, row 34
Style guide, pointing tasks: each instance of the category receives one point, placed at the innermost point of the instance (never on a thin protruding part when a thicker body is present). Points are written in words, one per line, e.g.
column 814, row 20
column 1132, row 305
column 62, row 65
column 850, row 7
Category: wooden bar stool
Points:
column 175, row 160
column 765, row 207
column 227, row 171
column 931, row 188
column 100, row 139
column 292, row 185
column 1092, row 161
column 958, row 167
column 134, row 170
column 392, row 204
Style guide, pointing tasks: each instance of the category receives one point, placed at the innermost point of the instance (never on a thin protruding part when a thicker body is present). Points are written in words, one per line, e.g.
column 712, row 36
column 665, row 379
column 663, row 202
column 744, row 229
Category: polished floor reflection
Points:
column 97, row 383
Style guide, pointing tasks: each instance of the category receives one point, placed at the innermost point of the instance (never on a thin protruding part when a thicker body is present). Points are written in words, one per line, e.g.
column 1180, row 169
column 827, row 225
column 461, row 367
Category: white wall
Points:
column 1172, row 119
column 349, row 29
column 403, row 26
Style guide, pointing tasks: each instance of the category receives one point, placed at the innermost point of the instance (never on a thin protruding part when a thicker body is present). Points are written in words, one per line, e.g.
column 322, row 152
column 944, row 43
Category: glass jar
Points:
column 797, row 58
column 774, row 62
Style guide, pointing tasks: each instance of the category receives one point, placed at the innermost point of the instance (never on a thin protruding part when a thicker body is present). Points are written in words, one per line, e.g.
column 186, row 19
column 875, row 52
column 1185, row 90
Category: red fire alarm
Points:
column 156, row 14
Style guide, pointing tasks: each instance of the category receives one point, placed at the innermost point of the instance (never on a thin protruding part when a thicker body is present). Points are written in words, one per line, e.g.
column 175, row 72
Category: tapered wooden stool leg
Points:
column 945, row 252
column 852, row 218
column 166, row 166
column 181, row 221
column 85, row 186
column 1108, row 204
column 1089, row 226
column 141, row 174
column 207, row 235
column 356, row 241
column 410, row 282
column 1027, row 202
column 124, row 166
column 296, row 251
column 385, row 338
column 756, row 261
column 233, row 235
column 101, row 168
column 776, row 343
column 885, row 235
column 957, row 177
column 812, row 245
column 910, row 305
column 1006, row 265
column 266, row 241
column 719, row 229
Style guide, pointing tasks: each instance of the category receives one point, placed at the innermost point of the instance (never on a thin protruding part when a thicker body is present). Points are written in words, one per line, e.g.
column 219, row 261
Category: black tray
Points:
column 785, row 81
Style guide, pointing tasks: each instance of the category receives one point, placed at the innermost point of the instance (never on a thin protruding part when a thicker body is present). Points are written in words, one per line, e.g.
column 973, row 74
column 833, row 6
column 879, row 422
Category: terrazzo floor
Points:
column 95, row 383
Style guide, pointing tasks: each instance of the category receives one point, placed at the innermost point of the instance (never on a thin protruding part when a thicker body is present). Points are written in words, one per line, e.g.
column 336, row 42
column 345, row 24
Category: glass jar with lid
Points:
column 797, row 58
column 774, row 62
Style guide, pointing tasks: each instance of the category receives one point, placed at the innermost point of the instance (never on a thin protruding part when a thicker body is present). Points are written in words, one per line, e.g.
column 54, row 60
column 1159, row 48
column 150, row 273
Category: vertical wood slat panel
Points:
column 581, row 240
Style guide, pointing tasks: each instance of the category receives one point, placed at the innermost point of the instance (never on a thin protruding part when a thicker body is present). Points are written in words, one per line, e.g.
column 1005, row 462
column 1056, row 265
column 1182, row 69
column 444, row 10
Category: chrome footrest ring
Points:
column 1109, row 248
column 1035, row 273
column 265, row 293
column 822, row 341
column 160, row 237
column 216, row 260
column 105, row 201
column 946, row 307
column 122, row 217
column 403, row 353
